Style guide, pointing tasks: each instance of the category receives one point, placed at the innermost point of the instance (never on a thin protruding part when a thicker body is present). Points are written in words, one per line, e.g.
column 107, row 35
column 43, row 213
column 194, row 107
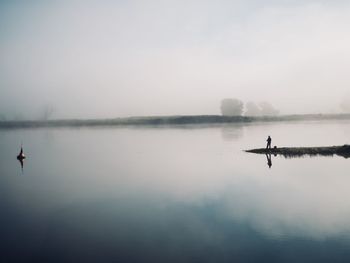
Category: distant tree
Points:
column 266, row 109
column 231, row 107
column 261, row 109
column 18, row 116
column 47, row 112
column 252, row 109
column 345, row 105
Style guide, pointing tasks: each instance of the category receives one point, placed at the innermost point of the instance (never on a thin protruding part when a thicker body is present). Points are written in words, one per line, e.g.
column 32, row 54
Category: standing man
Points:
column 268, row 146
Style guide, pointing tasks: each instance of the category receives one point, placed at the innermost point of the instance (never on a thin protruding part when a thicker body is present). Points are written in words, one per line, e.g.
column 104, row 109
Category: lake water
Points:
column 174, row 194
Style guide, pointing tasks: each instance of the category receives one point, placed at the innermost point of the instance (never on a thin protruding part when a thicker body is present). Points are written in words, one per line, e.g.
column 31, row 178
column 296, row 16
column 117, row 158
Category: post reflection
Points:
column 21, row 161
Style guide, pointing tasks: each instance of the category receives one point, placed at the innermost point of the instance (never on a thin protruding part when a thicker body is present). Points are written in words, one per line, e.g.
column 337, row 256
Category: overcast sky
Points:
column 120, row 58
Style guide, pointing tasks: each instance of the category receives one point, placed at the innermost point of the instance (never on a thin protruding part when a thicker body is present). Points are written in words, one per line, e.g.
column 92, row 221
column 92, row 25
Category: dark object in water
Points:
column 21, row 155
column 343, row 151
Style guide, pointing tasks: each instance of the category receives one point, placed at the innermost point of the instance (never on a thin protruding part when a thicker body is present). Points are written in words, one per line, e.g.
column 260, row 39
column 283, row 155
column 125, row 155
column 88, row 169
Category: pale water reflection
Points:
column 174, row 195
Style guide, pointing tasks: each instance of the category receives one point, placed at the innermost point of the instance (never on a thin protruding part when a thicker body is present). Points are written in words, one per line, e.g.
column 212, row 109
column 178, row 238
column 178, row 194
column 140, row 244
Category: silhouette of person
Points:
column 269, row 161
column 268, row 146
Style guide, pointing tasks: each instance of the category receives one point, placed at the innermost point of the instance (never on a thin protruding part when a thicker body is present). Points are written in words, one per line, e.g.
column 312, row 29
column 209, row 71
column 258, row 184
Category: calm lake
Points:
column 174, row 194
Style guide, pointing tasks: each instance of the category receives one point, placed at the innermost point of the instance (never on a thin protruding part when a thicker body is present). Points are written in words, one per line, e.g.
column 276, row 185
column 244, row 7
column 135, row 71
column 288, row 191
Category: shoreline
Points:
column 288, row 152
column 169, row 120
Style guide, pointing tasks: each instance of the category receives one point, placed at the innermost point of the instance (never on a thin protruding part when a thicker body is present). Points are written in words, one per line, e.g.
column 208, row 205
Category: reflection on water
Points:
column 269, row 157
column 269, row 161
column 173, row 195
column 231, row 132
column 21, row 161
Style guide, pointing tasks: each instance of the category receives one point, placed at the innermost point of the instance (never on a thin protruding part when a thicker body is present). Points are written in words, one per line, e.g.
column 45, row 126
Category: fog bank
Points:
column 90, row 59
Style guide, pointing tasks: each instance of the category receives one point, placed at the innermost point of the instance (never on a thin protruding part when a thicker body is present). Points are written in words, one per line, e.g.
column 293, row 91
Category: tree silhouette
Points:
column 231, row 107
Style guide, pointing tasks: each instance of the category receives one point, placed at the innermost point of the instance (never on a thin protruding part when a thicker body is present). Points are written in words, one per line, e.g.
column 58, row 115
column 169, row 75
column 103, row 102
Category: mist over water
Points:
column 108, row 191
column 174, row 194
column 89, row 59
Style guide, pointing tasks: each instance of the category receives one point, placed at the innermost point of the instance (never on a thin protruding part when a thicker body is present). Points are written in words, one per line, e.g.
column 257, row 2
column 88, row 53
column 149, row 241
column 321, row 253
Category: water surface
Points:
column 174, row 194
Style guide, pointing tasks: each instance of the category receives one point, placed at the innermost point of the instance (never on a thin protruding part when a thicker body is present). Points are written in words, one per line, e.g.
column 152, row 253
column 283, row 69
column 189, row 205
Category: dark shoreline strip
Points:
column 343, row 151
column 169, row 120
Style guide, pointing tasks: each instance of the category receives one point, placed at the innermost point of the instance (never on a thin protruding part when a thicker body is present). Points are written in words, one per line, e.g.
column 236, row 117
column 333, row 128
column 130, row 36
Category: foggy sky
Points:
column 120, row 58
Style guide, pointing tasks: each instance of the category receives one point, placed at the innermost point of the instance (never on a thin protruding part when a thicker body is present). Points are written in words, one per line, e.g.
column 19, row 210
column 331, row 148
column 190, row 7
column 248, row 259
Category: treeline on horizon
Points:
column 170, row 120
column 232, row 110
column 231, row 107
